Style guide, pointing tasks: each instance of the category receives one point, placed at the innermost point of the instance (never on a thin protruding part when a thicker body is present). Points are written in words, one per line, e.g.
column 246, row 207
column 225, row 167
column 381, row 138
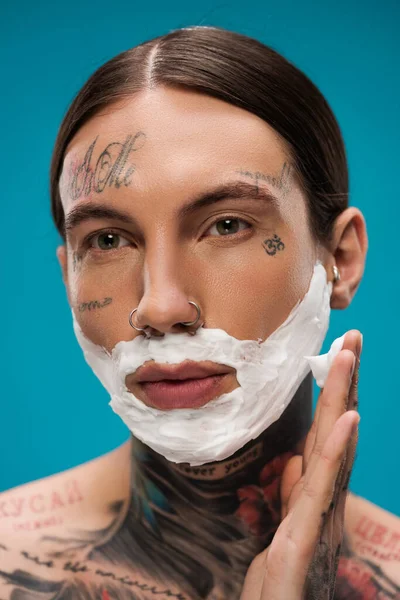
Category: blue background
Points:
column 54, row 413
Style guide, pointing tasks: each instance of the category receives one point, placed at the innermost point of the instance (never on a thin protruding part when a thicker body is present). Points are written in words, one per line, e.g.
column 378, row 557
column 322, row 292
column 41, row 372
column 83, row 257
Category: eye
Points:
column 228, row 226
column 108, row 240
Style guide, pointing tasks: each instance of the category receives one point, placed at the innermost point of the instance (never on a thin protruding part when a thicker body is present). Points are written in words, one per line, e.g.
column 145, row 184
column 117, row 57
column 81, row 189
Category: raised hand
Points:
column 301, row 562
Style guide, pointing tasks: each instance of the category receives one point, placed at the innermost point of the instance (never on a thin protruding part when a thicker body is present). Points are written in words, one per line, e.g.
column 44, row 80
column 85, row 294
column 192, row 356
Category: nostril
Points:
column 158, row 316
column 151, row 332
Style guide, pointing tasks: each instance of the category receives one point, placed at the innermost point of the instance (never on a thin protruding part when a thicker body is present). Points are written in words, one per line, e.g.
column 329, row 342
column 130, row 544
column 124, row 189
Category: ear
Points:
column 348, row 253
column 63, row 260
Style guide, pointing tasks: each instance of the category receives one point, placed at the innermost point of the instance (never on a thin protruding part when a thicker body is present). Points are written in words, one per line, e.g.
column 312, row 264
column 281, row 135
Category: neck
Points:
column 228, row 510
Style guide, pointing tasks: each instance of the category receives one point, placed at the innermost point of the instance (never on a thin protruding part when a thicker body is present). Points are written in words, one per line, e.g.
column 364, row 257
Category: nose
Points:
column 164, row 305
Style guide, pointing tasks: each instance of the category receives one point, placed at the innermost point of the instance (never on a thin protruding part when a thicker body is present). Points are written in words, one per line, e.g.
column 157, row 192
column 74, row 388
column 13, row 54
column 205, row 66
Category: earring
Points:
column 336, row 274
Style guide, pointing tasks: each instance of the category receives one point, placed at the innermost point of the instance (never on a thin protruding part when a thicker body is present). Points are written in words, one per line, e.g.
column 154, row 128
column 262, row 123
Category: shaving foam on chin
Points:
column 269, row 373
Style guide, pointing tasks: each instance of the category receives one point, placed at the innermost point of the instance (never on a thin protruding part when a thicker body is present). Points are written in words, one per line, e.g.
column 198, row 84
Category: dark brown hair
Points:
column 239, row 70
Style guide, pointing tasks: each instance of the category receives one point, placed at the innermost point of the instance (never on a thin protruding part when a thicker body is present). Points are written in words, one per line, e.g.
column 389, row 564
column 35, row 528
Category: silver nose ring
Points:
column 185, row 324
column 135, row 326
column 188, row 323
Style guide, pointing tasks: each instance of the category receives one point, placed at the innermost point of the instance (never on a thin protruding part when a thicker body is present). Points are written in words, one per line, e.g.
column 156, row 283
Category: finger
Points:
column 318, row 485
column 342, row 483
column 311, row 436
column 333, row 400
column 353, row 394
column 338, row 504
column 333, row 530
column 353, row 342
column 294, row 544
column 292, row 473
column 341, row 491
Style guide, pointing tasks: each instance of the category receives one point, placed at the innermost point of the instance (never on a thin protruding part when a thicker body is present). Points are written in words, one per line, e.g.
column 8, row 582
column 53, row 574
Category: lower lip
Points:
column 188, row 393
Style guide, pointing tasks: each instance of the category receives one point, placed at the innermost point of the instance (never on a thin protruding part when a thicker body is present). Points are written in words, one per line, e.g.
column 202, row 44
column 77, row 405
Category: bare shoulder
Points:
column 363, row 516
column 374, row 533
column 371, row 559
column 49, row 527
column 66, row 500
column 53, row 531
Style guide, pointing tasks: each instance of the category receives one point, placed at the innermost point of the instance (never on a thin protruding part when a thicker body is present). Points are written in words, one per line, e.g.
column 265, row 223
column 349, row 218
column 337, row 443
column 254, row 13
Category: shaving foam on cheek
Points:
column 268, row 373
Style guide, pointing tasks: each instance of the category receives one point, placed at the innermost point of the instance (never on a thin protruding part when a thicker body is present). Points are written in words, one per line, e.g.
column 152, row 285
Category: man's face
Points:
column 246, row 261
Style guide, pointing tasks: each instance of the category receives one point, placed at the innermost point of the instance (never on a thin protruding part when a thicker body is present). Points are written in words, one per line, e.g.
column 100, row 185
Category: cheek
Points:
column 242, row 290
column 252, row 294
column 102, row 298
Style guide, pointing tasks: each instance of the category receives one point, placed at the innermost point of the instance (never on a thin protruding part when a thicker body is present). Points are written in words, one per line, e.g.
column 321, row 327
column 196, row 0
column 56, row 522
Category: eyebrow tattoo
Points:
column 110, row 170
column 281, row 182
column 237, row 190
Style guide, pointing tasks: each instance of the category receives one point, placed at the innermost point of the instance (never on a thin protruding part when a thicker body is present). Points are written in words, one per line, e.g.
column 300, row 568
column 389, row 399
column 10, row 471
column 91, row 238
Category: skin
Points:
column 146, row 528
column 170, row 169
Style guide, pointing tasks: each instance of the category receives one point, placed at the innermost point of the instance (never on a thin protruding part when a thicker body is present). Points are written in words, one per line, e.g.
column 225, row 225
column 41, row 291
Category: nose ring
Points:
column 188, row 323
column 185, row 324
column 135, row 326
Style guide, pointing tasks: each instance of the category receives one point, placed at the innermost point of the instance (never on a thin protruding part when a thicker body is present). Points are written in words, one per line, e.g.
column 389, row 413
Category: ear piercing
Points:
column 336, row 274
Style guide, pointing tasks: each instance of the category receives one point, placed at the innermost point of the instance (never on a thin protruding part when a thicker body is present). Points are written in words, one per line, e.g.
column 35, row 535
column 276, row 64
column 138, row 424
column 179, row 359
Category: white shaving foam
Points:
column 268, row 374
column 320, row 365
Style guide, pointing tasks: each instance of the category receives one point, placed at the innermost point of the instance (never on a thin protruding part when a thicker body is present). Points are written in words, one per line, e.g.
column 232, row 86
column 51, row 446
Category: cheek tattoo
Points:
column 94, row 304
column 273, row 245
column 111, row 168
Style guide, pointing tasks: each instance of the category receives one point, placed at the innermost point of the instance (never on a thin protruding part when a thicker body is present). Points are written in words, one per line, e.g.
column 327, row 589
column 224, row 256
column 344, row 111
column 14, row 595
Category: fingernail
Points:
column 359, row 346
column 355, row 424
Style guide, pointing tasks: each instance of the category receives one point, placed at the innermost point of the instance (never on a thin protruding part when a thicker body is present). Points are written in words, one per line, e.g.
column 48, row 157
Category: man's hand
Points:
column 301, row 562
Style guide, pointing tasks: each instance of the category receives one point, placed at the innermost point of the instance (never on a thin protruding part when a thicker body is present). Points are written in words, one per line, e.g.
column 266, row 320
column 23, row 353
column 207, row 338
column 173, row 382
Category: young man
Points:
column 197, row 225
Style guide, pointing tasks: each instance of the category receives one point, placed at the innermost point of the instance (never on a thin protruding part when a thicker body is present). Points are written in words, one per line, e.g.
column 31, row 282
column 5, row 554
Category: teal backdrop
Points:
column 54, row 413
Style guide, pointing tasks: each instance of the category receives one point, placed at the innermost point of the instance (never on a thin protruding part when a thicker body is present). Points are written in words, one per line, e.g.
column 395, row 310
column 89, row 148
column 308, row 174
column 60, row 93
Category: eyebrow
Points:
column 237, row 190
column 88, row 212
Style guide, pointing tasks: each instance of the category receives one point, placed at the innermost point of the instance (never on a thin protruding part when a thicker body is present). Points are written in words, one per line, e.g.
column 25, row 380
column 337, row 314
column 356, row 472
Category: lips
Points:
column 187, row 385
column 185, row 370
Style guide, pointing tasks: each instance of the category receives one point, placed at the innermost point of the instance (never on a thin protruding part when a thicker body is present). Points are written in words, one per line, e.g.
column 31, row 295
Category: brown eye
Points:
column 108, row 241
column 228, row 226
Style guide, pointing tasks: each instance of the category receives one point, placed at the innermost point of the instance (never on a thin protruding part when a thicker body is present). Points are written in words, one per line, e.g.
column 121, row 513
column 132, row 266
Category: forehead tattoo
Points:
column 111, row 169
